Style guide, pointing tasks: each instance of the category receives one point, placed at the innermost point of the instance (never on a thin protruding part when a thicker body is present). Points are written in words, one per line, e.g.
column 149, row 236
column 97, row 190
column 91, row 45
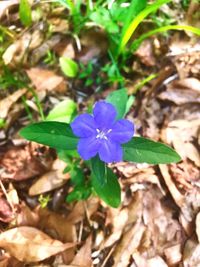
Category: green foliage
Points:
column 126, row 35
column 44, row 200
column 2, row 123
column 142, row 150
column 81, row 187
column 8, row 79
column 64, row 111
column 85, row 73
column 98, row 169
column 79, row 192
column 50, row 58
column 103, row 18
column 69, row 67
column 144, row 36
column 118, row 99
column 25, row 13
column 59, row 135
column 54, row 134
column 110, row 191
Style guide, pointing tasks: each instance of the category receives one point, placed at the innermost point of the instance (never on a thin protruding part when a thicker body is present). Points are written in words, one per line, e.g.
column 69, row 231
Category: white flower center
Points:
column 102, row 134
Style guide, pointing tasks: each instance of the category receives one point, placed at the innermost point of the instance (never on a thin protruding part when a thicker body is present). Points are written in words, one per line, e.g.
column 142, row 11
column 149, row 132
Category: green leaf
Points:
column 129, row 31
column 134, row 9
column 142, row 150
column 119, row 100
column 79, row 192
column 103, row 18
column 25, row 12
column 69, row 67
column 98, row 169
column 63, row 111
column 129, row 103
column 77, row 175
column 110, row 192
column 54, row 134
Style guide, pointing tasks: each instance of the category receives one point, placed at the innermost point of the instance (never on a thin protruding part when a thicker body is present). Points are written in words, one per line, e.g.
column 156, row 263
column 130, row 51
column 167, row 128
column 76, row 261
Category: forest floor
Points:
column 158, row 222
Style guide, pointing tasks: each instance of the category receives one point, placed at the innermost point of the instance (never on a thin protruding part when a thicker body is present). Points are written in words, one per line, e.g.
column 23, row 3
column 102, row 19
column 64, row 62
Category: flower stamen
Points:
column 102, row 134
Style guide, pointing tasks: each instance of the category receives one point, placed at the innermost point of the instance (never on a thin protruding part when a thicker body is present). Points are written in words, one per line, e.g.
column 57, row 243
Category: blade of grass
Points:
column 144, row 36
column 142, row 83
column 136, row 21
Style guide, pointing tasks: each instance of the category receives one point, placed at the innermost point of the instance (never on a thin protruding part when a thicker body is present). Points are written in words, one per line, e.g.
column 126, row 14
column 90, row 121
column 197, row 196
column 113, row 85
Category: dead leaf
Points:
column 26, row 217
column 21, row 163
column 83, row 257
column 128, row 245
column 6, row 103
column 5, row 5
column 50, row 180
column 28, row 244
column 188, row 83
column 156, row 261
column 173, row 254
column 180, row 97
column 191, row 254
column 64, row 230
column 118, row 219
column 46, row 80
column 65, row 49
column 198, row 226
column 6, row 212
column 145, row 53
column 177, row 196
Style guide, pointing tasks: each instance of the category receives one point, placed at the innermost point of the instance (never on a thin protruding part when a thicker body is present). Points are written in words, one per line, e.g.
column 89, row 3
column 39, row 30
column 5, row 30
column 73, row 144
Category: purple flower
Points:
column 101, row 133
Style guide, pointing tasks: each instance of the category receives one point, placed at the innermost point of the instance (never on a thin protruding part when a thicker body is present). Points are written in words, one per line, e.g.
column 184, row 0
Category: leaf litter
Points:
column 158, row 221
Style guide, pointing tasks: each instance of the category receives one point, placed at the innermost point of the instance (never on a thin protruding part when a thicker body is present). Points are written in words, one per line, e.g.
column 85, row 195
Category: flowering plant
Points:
column 101, row 133
column 100, row 138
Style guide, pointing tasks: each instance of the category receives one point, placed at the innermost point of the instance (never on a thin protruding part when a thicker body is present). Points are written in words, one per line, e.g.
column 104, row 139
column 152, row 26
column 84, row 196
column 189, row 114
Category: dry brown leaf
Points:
column 7, row 103
column 158, row 217
column 45, row 80
column 21, row 163
column 83, row 256
column 118, row 219
column 26, row 217
column 189, row 83
column 50, row 180
column 128, row 245
column 28, row 244
column 80, row 209
column 180, row 97
column 6, row 212
column 64, row 230
column 145, row 53
column 59, row 25
column 156, row 261
column 198, row 226
column 177, row 196
column 173, row 254
column 5, row 5
column 191, row 254
column 94, row 44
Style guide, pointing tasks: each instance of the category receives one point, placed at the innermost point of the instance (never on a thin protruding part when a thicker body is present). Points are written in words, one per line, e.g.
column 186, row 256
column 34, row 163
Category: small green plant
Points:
column 98, row 139
column 44, row 200
column 50, row 58
column 25, row 12
column 69, row 67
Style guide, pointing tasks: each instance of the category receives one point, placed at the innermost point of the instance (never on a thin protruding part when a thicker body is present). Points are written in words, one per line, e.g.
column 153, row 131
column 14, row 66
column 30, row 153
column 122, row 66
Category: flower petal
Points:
column 88, row 147
column 104, row 115
column 110, row 151
column 122, row 131
column 84, row 125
